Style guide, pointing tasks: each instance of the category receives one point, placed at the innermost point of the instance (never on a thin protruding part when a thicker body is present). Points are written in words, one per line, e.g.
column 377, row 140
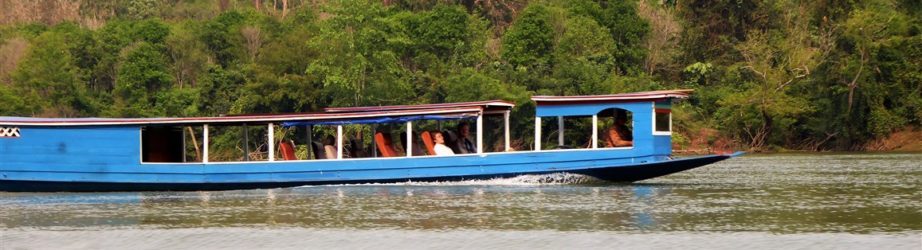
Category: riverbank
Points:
column 709, row 141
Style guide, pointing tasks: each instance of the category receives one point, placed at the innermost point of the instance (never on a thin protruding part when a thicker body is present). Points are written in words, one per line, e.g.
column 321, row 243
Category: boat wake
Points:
column 522, row 180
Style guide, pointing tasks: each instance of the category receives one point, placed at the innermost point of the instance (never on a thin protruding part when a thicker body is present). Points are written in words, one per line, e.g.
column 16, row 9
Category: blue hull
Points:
column 223, row 181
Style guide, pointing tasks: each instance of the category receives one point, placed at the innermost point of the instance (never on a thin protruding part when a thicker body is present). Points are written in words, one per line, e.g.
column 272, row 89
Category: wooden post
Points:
column 246, row 142
column 198, row 153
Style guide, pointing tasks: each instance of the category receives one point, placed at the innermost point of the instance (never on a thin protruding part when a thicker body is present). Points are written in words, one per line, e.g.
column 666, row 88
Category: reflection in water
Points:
column 776, row 193
column 644, row 194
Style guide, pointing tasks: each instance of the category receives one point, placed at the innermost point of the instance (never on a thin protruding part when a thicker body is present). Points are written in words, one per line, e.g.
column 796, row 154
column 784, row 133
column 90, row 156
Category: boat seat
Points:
column 427, row 140
column 287, row 149
column 384, row 145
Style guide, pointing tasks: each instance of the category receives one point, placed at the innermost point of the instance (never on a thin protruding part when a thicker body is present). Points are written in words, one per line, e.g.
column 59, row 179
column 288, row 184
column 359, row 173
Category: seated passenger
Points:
column 440, row 148
column 465, row 145
column 619, row 135
column 329, row 147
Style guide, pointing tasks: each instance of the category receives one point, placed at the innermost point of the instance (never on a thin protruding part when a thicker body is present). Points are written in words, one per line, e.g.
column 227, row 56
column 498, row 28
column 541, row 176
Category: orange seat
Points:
column 384, row 145
column 288, row 151
column 430, row 144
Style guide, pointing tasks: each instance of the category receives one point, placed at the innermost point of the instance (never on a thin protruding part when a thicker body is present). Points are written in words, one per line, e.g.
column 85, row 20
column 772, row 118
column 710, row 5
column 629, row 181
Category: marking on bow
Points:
column 9, row 132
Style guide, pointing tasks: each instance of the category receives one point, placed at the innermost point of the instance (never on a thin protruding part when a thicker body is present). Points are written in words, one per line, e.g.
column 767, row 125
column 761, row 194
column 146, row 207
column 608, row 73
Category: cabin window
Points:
column 662, row 120
column 616, row 128
column 162, row 144
column 567, row 132
column 171, row 144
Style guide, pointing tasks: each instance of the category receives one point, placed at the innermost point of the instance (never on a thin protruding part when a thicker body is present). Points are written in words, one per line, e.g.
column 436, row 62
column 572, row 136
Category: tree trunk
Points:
column 284, row 8
column 761, row 136
column 223, row 5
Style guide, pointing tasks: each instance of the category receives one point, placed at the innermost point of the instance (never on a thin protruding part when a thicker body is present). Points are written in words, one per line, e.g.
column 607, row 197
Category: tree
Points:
column 142, row 74
column 48, row 81
column 773, row 66
column 529, row 41
column 188, row 56
column 359, row 61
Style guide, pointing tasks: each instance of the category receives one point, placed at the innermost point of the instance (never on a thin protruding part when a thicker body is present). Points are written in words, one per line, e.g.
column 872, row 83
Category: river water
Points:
column 810, row 201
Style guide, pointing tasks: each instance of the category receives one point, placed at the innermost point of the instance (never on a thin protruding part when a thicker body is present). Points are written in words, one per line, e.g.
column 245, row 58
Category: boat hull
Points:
column 628, row 172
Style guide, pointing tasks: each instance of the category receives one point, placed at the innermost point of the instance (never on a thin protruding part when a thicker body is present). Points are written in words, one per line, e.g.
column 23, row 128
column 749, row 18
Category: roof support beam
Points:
column 339, row 141
column 409, row 139
column 246, row 143
column 506, row 129
column 595, row 131
column 537, row 133
column 183, row 129
column 560, row 130
column 310, row 142
column 205, row 143
column 271, row 142
column 480, row 134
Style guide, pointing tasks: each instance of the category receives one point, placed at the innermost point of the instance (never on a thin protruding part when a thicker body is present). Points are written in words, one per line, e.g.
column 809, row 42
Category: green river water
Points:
column 777, row 201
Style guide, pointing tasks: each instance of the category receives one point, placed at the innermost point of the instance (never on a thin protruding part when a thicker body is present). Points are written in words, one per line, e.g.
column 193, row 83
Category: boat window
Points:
column 663, row 120
column 494, row 139
column 171, row 144
column 616, row 128
column 239, row 142
column 575, row 132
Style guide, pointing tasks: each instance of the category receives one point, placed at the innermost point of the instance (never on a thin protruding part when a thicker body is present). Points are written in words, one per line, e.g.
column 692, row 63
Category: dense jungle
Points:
column 776, row 75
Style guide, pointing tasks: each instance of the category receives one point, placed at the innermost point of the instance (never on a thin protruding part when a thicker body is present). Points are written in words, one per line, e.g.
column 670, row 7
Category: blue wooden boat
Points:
column 151, row 154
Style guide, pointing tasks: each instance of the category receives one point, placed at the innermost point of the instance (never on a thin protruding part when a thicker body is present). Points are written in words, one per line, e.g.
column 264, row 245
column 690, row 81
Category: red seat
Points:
column 430, row 144
column 384, row 145
column 288, row 151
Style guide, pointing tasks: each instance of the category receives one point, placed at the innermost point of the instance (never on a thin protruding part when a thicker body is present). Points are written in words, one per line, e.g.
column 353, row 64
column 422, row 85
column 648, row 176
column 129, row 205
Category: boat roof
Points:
column 305, row 118
column 487, row 106
column 623, row 97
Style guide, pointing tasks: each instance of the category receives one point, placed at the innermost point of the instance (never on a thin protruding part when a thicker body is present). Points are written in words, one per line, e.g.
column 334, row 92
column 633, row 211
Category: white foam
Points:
column 522, row 180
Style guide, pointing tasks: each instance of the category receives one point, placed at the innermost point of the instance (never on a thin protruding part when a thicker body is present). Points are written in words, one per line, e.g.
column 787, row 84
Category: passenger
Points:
column 465, row 145
column 440, row 148
column 619, row 135
column 329, row 147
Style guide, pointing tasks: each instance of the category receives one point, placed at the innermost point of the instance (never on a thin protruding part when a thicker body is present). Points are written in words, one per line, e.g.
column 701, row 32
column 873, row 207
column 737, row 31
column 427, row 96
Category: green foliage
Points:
column 143, row 73
column 529, row 42
column 359, row 61
column 49, row 82
column 625, row 27
column 807, row 75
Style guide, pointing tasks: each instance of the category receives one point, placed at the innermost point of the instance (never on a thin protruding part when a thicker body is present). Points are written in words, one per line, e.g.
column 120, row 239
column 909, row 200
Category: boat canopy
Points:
column 291, row 119
column 386, row 119
column 488, row 107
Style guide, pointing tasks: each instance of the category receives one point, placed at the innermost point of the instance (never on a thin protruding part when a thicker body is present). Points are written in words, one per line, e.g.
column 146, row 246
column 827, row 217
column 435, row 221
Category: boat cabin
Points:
column 649, row 118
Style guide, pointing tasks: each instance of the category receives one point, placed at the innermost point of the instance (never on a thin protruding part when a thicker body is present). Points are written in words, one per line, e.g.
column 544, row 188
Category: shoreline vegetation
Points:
column 770, row 76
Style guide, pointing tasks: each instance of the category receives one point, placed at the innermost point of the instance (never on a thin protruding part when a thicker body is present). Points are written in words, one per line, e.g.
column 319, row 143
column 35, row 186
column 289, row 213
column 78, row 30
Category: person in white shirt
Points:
column 440, row 148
